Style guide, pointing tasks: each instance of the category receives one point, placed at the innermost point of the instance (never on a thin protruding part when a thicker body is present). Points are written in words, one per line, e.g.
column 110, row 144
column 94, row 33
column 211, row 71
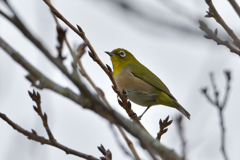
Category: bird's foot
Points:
column 125, row 92
column 139, row 118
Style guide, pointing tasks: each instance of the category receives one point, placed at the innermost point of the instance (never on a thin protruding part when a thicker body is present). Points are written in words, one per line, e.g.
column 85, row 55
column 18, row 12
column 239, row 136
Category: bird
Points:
column 141, row 85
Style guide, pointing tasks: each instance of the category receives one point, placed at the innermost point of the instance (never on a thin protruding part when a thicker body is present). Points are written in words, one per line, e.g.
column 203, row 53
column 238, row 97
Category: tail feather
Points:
column 182, row 110
column 164, row 99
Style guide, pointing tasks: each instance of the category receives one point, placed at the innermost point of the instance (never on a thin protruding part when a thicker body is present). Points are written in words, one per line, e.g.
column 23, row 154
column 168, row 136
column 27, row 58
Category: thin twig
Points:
column 120, row 143
column 220, row 106
column 37, row 98
column 33, row 136
column 215, row 90
column 129, row 143
column 56, row 61
column 80, row 52
column 214, row 13
column 77, row 59
column 181, row 134
column 213, row 35
column 107, row 153
column 95, row 57
column 89, row 101
column 61, row 36
column 163, row 127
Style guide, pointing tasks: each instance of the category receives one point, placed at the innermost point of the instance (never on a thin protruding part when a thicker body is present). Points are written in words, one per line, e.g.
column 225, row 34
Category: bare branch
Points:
column 235, row 6
column 89, row 101
column 37, row 98
column 228, row 77
column 56, row 61
column 220, row 106
column 213, row 35
column 61, row 36
column 163, row 127
column 214, row 13
column 181, row 134
column 33, row 136
column 80, row 52
column 94, row 56
column 107, row 153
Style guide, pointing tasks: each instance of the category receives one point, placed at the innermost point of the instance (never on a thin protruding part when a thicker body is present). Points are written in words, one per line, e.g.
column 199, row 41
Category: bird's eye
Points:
column 122, row 53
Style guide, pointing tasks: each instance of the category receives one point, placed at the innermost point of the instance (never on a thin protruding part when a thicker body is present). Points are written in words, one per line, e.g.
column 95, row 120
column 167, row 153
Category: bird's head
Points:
column 121, row 58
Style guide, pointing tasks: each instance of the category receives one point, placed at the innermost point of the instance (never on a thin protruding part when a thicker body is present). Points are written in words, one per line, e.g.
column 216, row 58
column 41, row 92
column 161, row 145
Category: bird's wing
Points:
column 146, row 75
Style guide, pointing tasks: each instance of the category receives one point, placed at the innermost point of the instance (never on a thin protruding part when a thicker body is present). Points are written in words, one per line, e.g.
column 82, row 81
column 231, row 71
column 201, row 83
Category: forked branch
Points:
column 219, row 105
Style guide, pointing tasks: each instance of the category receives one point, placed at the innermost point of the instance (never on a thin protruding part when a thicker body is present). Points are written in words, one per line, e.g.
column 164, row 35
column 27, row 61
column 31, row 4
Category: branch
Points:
column 95, row 57
column 107, row 153
column 80, row 52
column 181, row 134
column 37, row 98
column 56, row 61
column 33, row 135
column 213, row 35
column 235, row 6
column 89, row 101
column 163, row 127
column 214, row 13
column 61, row 36
column 220, row 106
column 77, row 60
column 129, row 7
column 124, row 102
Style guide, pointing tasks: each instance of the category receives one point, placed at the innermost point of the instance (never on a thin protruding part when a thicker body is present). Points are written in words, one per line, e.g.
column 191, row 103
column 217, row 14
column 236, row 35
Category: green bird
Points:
column 142, row 86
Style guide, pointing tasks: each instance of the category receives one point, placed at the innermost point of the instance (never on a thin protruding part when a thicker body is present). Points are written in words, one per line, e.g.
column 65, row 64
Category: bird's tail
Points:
column 182, row 110
column 171, row 102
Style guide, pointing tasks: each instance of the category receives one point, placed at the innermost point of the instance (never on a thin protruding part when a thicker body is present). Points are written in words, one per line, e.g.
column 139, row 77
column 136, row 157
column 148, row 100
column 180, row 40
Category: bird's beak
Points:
column 110, row 53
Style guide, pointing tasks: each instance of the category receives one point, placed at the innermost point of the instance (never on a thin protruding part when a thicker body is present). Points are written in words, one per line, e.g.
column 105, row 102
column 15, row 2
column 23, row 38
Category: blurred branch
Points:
column 34, row 136
column 213, row 13
column 61, row 36
column 120, row 144
column 220, row 106
column 180, row 9
column 57, row 61
column 130, row 7
column 213, row 35
column 18, row 23
column 107, row 153
column 181, row 134
column 235, row 6
column 36, row 75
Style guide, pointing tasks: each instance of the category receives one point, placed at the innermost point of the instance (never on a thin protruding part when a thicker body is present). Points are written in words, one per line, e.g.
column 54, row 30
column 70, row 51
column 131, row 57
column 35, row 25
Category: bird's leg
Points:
column 139, row 118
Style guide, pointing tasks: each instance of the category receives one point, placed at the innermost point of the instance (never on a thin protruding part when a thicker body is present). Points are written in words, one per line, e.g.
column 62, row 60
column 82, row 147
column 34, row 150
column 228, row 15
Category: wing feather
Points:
column 146, row 75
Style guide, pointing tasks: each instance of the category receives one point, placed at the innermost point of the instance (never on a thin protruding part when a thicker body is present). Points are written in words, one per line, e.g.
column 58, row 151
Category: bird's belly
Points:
column 138, row 91
column 142, row 98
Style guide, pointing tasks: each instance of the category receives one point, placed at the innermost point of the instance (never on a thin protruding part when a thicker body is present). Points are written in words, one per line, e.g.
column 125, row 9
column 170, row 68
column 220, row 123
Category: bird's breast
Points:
column 138, row 90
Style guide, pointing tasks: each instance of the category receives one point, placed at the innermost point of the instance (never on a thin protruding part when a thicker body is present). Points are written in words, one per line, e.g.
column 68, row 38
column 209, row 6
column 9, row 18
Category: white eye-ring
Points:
column 122, row 53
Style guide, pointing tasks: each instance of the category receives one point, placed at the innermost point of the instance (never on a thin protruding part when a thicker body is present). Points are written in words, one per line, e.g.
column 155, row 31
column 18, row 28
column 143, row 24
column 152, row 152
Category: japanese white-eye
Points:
column 142, row 86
